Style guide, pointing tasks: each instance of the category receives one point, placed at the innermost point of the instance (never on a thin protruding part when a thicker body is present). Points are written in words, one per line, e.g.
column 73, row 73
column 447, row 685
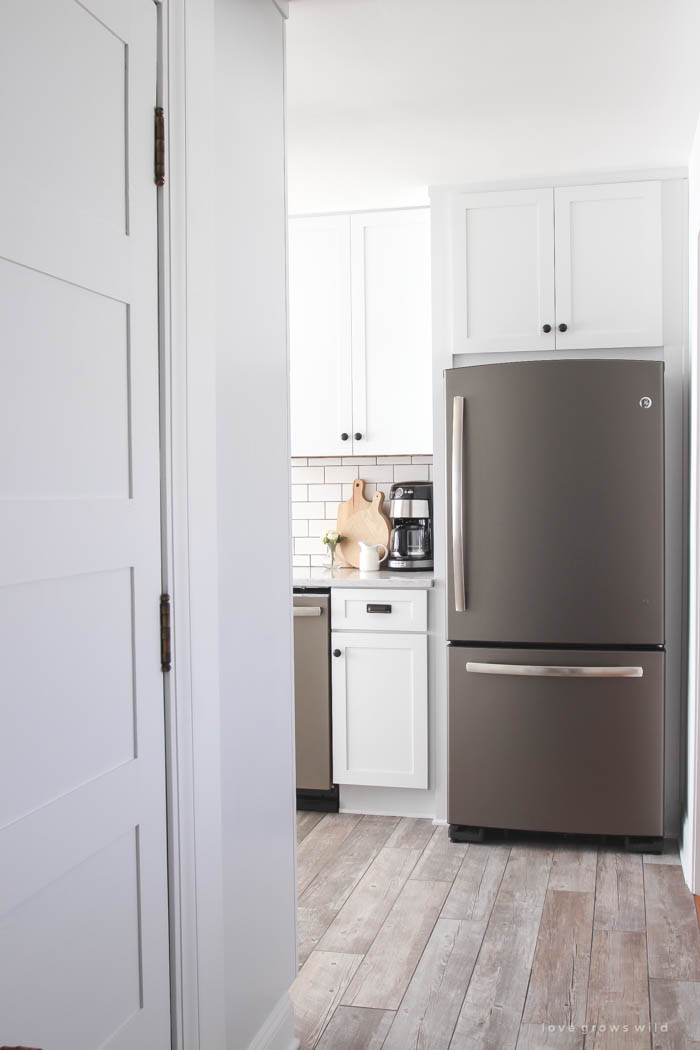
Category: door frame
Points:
column 186, row 232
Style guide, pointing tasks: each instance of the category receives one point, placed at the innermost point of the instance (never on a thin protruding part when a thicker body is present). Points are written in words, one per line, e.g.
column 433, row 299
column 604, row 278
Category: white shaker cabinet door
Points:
column 319, row 336
column 608, row 265
column 391, row 332
column 380, row 709
column 502, row 271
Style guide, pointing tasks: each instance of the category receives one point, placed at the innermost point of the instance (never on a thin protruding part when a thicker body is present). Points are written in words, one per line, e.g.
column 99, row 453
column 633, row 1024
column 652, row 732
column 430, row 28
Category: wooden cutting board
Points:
column 361, row 519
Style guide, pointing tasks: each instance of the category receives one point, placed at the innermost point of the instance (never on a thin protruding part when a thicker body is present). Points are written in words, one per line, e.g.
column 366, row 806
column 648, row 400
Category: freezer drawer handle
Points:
column 374, row 607
column 307, row 610
column 458, row 504
column 547, row 671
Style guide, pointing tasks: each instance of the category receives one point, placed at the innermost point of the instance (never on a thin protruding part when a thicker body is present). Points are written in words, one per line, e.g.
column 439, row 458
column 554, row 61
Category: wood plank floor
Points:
column 410, row 942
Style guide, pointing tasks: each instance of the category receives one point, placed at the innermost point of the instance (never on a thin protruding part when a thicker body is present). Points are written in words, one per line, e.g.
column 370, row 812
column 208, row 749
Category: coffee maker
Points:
column 411, row 514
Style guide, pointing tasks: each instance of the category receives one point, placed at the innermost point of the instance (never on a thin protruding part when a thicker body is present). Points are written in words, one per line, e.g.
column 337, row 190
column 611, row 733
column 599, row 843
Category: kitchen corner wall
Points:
column 320, row 484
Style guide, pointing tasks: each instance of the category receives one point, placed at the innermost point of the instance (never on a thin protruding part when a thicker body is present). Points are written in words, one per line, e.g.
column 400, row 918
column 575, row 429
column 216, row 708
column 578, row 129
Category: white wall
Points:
column 255, row 624
column 690, row 847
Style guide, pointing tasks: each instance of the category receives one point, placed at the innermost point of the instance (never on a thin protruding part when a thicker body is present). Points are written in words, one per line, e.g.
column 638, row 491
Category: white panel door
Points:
column 83, row 886
column 380, row 709
column 391, row 333
column 502, row 271
column 319, row 336
column 608, row 265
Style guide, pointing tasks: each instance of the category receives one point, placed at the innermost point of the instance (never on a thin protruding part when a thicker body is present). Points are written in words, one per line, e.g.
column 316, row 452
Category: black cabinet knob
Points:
column 358, row 437
column 336, row 652
column 563, row 327
column 344, row 436
column 547, row 328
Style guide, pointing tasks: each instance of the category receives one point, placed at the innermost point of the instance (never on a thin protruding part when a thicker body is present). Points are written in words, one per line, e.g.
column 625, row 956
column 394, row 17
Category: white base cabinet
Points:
column 380, row 705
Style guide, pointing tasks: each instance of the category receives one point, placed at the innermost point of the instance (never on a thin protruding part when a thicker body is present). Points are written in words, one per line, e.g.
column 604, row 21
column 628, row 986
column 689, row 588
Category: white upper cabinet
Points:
column 503, row 271
column 572, row 268
column 608, row 265
column 319, row 335
column 391, row 337
column 360, row 334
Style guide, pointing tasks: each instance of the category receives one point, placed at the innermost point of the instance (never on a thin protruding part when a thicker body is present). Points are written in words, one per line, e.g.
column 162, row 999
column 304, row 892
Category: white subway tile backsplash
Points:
column 412, row 473
column 308, row 510
column 346, row 473
column 375, row 474
column 319, row 483
column 307, row 475
column 317, row 526
column 309, row 546
column 324, row 492
column 298, row 461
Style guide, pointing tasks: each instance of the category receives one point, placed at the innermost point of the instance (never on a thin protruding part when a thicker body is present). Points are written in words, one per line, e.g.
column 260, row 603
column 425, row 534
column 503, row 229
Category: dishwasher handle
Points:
column 307, row 610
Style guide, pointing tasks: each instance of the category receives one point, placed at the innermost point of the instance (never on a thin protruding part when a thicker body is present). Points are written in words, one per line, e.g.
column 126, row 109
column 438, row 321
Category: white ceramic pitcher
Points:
column 369, row 556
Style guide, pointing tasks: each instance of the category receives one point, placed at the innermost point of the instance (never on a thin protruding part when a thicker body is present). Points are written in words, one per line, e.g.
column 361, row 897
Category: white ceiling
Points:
column 387, row 97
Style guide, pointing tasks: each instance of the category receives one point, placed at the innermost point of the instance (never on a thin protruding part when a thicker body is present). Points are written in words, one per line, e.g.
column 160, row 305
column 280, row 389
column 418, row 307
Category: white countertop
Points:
column 320, row 577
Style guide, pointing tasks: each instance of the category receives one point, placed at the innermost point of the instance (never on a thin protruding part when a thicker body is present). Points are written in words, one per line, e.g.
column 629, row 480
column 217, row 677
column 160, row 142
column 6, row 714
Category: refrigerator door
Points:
column 562, row 741
column 556, row 503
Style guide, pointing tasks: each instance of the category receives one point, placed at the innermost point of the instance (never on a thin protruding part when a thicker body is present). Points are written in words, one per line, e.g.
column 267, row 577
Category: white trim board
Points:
column 581, row 178
column 277, row 1031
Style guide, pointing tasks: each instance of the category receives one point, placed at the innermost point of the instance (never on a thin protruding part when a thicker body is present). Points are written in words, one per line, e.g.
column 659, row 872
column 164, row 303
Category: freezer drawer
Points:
column 564, row 741
column 556, row 503
column 312, row 696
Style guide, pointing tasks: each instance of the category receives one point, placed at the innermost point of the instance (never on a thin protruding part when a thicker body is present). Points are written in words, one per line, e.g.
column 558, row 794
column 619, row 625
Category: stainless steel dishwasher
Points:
column 312, row 701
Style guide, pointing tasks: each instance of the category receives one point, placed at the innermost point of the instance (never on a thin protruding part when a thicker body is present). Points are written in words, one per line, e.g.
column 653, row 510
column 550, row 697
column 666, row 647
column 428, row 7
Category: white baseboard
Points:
column 277, row 1032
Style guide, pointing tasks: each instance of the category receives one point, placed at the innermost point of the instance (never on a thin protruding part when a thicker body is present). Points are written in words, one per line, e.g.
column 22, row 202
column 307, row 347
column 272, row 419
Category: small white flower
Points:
column 333, row 536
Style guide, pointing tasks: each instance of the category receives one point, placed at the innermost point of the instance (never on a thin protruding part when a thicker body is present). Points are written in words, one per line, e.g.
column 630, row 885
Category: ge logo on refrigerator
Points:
column 645, row 402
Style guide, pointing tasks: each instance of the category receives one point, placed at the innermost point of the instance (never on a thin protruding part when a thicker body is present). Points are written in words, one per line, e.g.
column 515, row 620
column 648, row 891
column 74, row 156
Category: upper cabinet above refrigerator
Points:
column 360, row 338
column 572, row 268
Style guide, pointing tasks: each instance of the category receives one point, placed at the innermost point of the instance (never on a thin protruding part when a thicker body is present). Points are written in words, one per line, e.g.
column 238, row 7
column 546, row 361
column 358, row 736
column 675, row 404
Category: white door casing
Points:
column 609, row 265
column 319, row 336
column 391, row 336
column 83, row 887
column 380, row 709
column 502, row 261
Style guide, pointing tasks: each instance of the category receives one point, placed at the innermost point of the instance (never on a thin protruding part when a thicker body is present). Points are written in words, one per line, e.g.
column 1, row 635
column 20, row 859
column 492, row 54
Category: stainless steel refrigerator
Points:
column 555, row 593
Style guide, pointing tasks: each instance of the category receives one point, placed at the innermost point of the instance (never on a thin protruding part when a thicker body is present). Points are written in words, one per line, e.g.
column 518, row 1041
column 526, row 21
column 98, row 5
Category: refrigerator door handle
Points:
column 458, row 504
column 553, row 671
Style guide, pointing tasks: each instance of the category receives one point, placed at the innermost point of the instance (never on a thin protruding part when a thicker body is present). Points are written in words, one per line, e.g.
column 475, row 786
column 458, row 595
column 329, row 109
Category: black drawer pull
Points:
column 373, row 607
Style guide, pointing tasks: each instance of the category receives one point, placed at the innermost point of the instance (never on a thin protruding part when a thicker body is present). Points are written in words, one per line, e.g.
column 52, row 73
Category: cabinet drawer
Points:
column 378, row 610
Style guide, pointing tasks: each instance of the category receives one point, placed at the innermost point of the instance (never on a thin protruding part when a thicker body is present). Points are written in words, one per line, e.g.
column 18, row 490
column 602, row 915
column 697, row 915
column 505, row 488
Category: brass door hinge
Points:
column 165, row 646
column 159, row 150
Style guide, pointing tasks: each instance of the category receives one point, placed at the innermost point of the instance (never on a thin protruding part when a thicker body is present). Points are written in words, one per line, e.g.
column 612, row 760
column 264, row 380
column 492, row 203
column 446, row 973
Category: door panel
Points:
column 319, row 336
column 503, row 271
column 380, row 709
column 312, row 692
column 391, row 337
column 609, row 265
column 565, row 754
column 563, row 509
column 83, row 876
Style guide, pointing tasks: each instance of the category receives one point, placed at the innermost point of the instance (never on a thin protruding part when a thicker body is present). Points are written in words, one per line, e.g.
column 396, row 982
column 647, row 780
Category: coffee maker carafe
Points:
column 411, row 514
